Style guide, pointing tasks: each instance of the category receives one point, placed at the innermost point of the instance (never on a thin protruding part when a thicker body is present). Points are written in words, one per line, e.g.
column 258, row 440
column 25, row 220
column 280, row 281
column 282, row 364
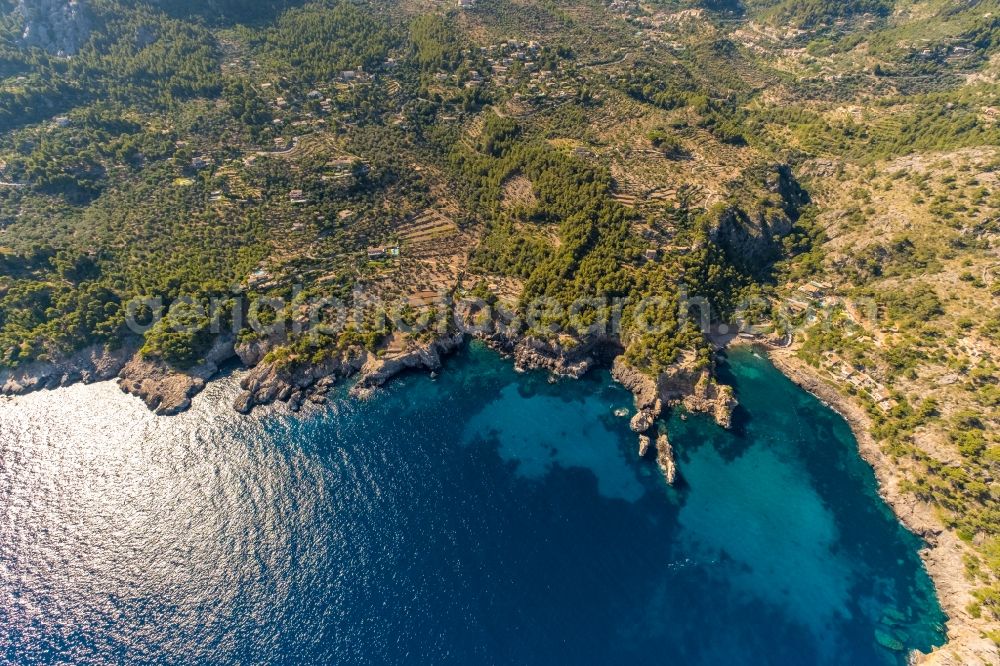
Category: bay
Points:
column 483, row 517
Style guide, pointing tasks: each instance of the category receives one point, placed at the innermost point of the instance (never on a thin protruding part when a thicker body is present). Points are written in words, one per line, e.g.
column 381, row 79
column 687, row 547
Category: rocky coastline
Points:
column 684, row 385
column 166, row 391
column 271, row 378
column 943, row 552
column 91, row 364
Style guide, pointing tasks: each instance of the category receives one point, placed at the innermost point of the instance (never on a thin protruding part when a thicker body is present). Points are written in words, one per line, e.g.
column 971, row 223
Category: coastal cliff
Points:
column 166, row 390
column 294, row 383
column 378, row 370
column 91, row 364
column 267, row 382
column 684, row 384
column 565, row 357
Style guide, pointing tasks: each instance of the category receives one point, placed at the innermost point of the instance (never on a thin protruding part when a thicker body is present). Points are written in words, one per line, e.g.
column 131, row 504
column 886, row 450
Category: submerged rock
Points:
column 892, row 617
column 887, row 639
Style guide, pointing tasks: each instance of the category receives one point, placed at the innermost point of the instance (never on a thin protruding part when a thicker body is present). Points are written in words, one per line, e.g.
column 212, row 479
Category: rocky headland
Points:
column 166, row 390
column 685, row 384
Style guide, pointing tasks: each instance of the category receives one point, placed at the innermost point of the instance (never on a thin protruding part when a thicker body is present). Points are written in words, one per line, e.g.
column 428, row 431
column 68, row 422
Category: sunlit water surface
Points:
column 485, row 517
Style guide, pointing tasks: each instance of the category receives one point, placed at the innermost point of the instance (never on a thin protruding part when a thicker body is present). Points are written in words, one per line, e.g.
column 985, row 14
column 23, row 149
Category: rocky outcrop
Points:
column 253, row 352
column 286, row 380
column 91, row 364
column 710, row 397
column 642, row 421
column 751, row 234
column 291, row 382
column 60, row 27
column 378, row 370
column 665, row 458
column 564, row 358
column 166, row 390
column 684, row 383
column 535, row 354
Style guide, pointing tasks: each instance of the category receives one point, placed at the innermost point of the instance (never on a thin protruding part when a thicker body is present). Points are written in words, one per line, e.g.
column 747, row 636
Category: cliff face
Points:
column 752, row 237
column 92, row 364
column 377, row 371
column 165, row 390
column 570, row 358
column 265, row 383
column 60, row 27
column 684, row 384
column 294, row 383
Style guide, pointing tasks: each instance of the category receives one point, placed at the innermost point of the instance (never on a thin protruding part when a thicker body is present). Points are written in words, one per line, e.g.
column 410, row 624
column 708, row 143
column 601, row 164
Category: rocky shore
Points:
column 943, row 554
column 165, row 390
column 570, row 358
column 91, row 364
column 285, row 378
column 684, row 385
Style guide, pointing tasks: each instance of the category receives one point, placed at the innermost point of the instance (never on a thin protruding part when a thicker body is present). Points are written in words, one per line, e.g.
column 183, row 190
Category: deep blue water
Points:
column 485, row 517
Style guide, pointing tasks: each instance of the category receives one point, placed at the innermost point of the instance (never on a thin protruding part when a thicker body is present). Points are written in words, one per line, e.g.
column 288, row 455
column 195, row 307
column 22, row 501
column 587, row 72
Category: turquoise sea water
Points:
column 485, row 517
